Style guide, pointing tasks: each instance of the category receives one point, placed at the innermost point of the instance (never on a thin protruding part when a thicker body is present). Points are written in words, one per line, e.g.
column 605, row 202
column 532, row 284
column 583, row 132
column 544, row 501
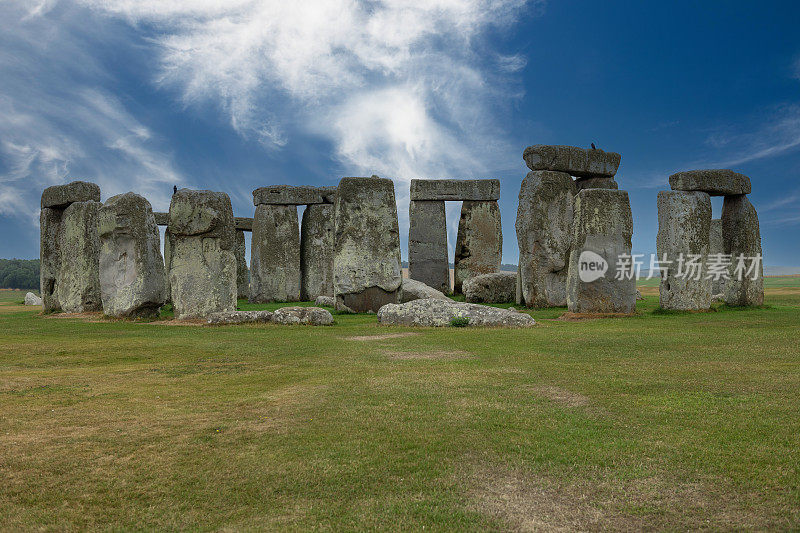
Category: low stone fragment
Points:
column 579, row 162
column 78, row 280
column 240, row 317
column 242, row 272
column 595, row 183
column 498, row 287
column 479, row 242
column 32, row 299
column 439, row 313
column 325, row 301
column 293, row 195
column 741, row 236
column 314, row 316
column 427, row 244
column 416, row 290
column 544, row 237
column 684, row 219
column 316, row 251
column 716, row 182
column 455, row 190
column 366, row 261
column 60, row 196
column 132, row 275
column 275, row 254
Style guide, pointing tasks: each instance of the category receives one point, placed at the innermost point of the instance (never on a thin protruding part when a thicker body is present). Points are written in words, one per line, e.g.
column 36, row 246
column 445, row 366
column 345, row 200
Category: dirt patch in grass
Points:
column 434, row 354
column 176, row 322
column 561, row 396
column 575, row 317
column 381, row 337
column 88, row 316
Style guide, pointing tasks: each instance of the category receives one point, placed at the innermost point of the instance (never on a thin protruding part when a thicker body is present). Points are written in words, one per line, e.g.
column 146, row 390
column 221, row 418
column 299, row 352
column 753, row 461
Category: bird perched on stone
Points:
column 593, row 147
column 174, row 189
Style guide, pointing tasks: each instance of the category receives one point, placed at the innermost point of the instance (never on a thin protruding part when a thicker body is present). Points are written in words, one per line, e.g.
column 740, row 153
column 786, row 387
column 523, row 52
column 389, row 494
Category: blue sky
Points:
column 141, row 95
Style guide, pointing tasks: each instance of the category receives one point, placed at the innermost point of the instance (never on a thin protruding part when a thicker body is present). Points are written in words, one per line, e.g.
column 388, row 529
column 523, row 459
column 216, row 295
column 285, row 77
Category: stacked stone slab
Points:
column 366, row 260
column 546, row 212
column 70, row 272
column 132, row 279
column 602, row 231
column 478, row 246
column 202, row 262
column 684, row 222
column 739, row 229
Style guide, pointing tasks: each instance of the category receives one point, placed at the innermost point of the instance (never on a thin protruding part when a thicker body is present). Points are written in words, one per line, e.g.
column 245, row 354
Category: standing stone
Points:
column 132, row 275
column 167, row 256
column 50, row 257
column 202, row 265
column 78, row 280
column 716, row 247
column 242, row 272
column 684, row 222
column 742, row 236
column 316, row 252
column 366, row 261
column 275, row 254
column 544, row 235
column 427, row 244
column 479, row 243
column 602, row 231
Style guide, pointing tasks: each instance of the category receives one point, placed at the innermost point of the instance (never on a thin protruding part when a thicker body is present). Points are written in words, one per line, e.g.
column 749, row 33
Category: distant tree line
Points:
column 19, row 273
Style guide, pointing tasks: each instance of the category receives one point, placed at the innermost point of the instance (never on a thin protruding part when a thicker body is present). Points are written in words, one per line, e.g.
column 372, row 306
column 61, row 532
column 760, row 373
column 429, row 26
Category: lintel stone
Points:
column 479, row 190
column 575, row 161
column 293, row 195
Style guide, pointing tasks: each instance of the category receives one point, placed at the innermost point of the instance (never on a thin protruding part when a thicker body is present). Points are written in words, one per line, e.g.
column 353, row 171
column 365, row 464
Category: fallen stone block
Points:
column 498, row 287
column 325, row 301
column 32, row 299
column 240, row 317
column 715, row 182
column 60, row 196
column 293, row 195
column 416, row 290
column 479, row 242
column 457, row 190
column 579, row 162
column 427, row 244
column 439, row 313
column 314, row 316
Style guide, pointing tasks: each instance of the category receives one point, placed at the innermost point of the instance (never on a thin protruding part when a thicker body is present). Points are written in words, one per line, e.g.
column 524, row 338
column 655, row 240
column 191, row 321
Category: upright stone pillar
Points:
column 50, row 258
column 544, row 235
column 202, row 265
column 479, row 243
column 602, row 231
column 275, row 254
column 132, row 275
column 427, row 244
column 366, row 261
column 242, row 272
column 716, row 250
column 316, row 251
column 684, row 222
column 167, row 256
column 742, row 239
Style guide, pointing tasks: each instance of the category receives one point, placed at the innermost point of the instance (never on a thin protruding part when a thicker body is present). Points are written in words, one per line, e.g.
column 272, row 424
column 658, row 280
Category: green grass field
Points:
column 659, row 421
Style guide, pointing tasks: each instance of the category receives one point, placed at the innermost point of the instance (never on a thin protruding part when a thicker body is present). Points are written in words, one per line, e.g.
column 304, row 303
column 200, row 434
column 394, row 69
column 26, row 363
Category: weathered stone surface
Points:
column 202, row 264
column 479, row 243
column 366, row 261
column 684, row 220
column 167, row 256
column 316, row 251
column 416, row 290
column 243, row 223
column 499, row 287
column 275, row 254
column 242, row 272
column 603, row 225
column 595, row 183
column 293, row 195
column 741, row 236
column 78, row 280
column 639, row 295
column 579, row 162
column 314, row 316
column 162, row 219
column 132, row 276
column 240, row 317
column 32, row 299
column 457, row 190
column 716, row 250
column 439, row 313
column 544, row 236
column 61, row 196
column 325, row 301
column 716, row 182
column 50, row 257
column 427, row 244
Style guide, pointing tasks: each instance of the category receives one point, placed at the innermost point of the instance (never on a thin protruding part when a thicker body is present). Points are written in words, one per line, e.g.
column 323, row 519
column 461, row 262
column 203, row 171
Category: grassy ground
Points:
column 662, row 421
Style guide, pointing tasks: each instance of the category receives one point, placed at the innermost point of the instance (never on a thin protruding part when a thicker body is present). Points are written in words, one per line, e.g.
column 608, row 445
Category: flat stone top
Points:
column 456, row 190
column 293, row 195
column 578, row 162
column 241, row 223
column 63, row 195
column 716, row 182
column 193, row 212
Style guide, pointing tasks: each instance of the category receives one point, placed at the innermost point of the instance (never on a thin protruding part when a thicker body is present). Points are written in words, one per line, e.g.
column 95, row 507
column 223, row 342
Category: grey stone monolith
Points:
column 242, row 272
column 167, row 255
column 544, row 236
column 741, row 236
column 78, row 280
column 275, row 254
column 427, row 244
column 479, row 242
column 601, row 235
column 50, row 257
column 716, row 252
column 366, row 261
column 132, row 275
column 579, row 162
column 316, row 252
column 684, row 222
column 202, row 263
